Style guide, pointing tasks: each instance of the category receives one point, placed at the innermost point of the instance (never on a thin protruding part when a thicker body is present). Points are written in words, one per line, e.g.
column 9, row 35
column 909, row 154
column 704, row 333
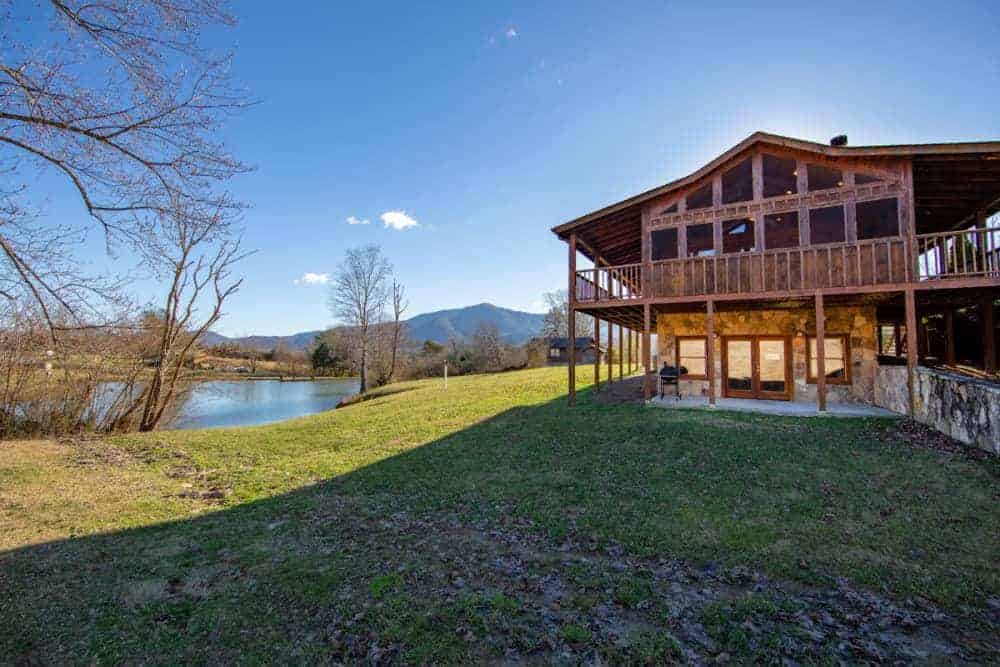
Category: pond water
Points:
column 250, row 402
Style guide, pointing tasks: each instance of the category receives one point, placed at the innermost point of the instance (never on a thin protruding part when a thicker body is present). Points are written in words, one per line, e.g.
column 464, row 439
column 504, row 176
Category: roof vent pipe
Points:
column 839, row 140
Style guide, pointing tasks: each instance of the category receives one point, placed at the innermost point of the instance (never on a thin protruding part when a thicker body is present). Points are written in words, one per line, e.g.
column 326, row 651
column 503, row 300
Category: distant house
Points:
column 558, row 350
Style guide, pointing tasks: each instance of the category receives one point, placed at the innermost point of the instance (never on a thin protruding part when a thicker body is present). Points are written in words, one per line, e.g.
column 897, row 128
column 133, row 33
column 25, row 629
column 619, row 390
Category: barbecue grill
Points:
column 671, row 375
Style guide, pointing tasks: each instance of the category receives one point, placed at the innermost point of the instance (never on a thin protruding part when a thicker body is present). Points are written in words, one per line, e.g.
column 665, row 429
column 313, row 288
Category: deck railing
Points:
column 609, row 283
column 967, row 253
column 865, row 263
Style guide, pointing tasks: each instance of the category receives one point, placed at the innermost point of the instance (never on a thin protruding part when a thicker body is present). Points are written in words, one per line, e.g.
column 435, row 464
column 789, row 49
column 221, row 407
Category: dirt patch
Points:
column 528, row 597
column 920, row 436
column 628, row 390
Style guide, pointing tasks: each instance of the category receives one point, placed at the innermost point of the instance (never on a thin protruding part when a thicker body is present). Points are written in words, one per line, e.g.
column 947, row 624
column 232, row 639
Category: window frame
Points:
column 752, row 226
column 798, row 234
column 846, row 342
column 677, row 357
column 676, row 243
column 858, row 206
column 843, row 224
column 687, row 240
column 734, row 173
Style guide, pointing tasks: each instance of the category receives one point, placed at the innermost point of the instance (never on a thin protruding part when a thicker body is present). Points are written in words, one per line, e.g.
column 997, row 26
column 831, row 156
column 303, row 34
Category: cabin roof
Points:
column 943, row 192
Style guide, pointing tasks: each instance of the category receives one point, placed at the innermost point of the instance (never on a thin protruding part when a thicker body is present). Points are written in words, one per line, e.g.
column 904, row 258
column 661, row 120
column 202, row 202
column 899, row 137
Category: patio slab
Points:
column 787, row 408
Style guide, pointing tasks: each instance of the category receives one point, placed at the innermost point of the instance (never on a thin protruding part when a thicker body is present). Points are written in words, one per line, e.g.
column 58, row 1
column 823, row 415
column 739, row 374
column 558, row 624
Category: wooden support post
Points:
column 911, row 349
column 597, row 355
column 630, row 352
column 989, row 331
column 647, row 357
column 611, row 368
column 710, row 349
column 621, row 354
column 949, row 332
column 820, row 352
column 571, row 319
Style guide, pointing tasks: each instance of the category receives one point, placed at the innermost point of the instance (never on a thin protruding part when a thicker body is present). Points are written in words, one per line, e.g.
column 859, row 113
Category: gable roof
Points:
column 628, row 209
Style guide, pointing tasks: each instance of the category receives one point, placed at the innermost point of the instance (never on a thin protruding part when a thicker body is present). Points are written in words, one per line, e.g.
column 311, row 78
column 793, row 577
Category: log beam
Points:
column 571, row 320
column 820, row 353
column 911, row 349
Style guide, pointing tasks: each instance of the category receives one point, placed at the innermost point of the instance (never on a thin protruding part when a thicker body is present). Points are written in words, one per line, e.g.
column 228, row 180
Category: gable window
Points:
column 670, row 209
column 865, row 179
column 781, row 230
column 836, row 360
column 737, row 183
column 692, row 351
column 823, row 178
column 738, row 236
column 700, row 241
column 701, row 198
column 877, row 219
column 826, row 225
column 664, row 242
column 780, row 176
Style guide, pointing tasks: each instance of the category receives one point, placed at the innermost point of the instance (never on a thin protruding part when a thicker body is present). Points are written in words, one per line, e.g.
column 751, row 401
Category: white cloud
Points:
column 313, row 279
column 511, row 32
column 398, row 220
column 351, row 220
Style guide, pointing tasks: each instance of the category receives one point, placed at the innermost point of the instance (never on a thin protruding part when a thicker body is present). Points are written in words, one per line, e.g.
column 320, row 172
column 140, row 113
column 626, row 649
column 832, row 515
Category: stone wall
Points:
column 858, row 323
column 964, row 408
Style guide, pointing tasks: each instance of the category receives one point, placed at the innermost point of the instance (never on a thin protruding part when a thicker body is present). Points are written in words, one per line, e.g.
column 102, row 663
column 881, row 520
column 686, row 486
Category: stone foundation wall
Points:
column 858, row 323
column 964, row 408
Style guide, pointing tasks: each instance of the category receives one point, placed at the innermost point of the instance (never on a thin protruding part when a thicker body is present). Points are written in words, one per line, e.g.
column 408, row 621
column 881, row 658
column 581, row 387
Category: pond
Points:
column 251, row 402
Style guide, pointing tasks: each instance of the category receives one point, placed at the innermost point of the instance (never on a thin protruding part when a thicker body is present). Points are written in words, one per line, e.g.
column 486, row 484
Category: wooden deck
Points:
column 946, row 257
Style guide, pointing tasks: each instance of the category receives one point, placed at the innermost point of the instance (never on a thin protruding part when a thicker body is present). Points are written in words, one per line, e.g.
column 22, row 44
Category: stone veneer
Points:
column 858, row 322
column 964, row 408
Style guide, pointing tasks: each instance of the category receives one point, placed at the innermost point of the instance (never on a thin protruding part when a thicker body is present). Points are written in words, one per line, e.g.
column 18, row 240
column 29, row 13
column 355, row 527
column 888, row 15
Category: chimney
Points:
column 839, row 140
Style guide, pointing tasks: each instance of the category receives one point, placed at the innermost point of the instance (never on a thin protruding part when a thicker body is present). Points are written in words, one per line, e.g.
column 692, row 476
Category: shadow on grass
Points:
column 268, row 578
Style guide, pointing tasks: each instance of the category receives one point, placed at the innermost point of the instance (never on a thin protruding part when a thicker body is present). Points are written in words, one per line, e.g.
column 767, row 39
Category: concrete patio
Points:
column 789, row 408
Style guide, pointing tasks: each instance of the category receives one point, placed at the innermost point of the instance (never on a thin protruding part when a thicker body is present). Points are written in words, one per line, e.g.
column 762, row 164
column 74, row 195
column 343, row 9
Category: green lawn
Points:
column 425, row 525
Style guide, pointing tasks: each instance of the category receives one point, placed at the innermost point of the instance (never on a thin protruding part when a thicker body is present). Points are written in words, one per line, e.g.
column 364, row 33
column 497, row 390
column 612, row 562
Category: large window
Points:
column 737, row 183
column 692, row 351
column 865, row 179
column 823, row 178
column 738, row 236
column 701, row 198
column 781, row 230
column 877, row 219
column 664, row 243
column 700, row 241
column 826, row 225
column 780, row 176
column 836, row 360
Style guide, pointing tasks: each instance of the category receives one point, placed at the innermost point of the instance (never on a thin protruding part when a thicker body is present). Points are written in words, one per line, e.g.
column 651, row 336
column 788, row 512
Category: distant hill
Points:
column 515, row 326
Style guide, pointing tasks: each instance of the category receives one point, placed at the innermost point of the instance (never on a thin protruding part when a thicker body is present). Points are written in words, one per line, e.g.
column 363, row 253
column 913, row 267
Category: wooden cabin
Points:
column 558, row 354
column 780, row 247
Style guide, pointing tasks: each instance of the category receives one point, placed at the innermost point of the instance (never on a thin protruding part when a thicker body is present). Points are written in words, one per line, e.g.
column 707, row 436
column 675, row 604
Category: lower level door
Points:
column 757, row 367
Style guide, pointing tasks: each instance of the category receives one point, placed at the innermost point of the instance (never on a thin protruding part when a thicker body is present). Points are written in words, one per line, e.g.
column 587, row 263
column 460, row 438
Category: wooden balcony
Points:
column 861, row 264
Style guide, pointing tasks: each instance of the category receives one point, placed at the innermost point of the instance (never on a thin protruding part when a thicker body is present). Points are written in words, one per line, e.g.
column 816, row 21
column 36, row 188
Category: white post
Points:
column 446, row 375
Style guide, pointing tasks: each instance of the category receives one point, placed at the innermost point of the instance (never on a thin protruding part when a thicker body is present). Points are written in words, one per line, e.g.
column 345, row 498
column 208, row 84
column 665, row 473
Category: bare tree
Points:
column 556, row 321
column 399, row 305
column 358, row 297
column 200, row 271
column 488, row 346
column 120, row 98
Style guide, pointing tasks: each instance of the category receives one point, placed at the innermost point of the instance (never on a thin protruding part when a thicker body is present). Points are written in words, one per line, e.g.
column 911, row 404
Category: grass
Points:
column 255, row 542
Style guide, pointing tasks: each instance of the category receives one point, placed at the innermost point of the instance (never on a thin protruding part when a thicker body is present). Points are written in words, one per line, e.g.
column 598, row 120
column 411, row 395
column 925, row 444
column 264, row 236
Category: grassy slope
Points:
column 799, row 498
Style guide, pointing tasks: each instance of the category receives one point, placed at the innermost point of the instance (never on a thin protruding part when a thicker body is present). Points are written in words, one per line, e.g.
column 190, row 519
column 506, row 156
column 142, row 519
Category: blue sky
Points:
column 490, row 123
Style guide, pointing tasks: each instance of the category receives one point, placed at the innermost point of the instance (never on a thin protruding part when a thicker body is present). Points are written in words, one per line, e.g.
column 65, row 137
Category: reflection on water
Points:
column 245, row 403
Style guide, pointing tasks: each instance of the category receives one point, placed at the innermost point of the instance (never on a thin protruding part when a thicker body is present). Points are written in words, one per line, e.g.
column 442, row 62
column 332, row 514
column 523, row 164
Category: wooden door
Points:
column 757, row 367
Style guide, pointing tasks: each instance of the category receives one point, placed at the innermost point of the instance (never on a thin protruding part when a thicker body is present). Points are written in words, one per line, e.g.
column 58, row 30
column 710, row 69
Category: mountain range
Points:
column 515, row 326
